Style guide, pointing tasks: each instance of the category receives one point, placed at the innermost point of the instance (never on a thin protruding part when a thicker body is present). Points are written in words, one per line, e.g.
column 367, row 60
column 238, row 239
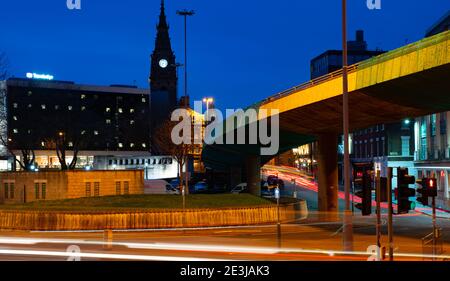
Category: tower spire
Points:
column 162, row 17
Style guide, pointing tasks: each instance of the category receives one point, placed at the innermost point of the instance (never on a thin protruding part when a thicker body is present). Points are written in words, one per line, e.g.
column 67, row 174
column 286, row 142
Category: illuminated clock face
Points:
column 163, row 63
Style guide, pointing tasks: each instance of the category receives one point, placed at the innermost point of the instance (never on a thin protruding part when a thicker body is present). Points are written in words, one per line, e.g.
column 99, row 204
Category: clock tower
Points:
column 163, row 74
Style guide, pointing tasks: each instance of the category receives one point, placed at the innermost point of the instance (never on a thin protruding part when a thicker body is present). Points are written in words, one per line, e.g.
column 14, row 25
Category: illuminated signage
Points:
column 39, row 76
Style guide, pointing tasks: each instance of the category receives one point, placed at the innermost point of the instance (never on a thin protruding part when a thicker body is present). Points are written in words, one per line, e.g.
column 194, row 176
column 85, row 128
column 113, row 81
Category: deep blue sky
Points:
column 240, row 50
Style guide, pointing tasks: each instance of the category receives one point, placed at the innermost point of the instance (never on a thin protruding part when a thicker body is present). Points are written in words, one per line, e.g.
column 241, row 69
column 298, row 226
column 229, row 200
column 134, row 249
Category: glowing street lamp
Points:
column 208, row 101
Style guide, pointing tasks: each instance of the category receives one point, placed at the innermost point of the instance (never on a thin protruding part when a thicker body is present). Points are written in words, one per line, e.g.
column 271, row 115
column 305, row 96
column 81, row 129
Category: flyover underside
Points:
column 410, row 96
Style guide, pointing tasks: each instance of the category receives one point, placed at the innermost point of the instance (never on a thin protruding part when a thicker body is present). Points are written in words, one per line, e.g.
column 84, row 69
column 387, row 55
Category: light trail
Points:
column 196, row 248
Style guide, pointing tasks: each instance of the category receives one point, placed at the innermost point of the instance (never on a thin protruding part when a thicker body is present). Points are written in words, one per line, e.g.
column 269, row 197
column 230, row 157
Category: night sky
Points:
column 240, row 51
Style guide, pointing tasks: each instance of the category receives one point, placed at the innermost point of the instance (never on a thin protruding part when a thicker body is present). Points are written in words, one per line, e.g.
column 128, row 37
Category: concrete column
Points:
column 253, row 171
column 328, row 173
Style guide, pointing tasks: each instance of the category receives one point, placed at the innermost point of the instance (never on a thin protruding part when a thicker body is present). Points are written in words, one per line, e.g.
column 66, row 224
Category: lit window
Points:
column 108, row 109
column 83, row 132
column 120, row 110
column 144, row 100
column 15, row 118
column 56, row 107
column 120, row 144
column 96, row 133
column 29, row 105
column 83, row 108
column 108, row 121
column 144, row 145
column 15, row 105
column 131, row 144
column 30, row 93
column 70, row 144
column 83, row 96
column 131, row 122
column 43, row 106
column 69, row 107
column 42, row 143
column 131, row 110
column 16, row 131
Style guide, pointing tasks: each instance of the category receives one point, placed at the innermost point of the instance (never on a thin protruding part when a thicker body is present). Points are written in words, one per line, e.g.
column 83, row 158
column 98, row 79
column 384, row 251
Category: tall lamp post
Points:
column 347, row 224
column 185, row 13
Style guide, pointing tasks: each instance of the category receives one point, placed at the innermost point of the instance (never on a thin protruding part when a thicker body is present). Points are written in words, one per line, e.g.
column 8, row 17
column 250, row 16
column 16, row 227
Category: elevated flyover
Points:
column 407, row 82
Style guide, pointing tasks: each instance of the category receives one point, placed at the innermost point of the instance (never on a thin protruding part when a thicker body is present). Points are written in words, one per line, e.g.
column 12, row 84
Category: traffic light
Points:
column 428, row 189
column 383, row 190
column 423, row 191
column 403, row 191
column 365, row 192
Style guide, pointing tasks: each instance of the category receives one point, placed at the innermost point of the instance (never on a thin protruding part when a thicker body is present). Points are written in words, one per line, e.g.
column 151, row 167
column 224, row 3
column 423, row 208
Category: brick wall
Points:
column 20, row 187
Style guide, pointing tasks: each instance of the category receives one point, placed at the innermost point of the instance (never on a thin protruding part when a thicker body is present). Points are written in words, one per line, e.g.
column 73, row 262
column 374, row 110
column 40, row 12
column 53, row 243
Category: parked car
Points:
column 274, row 181
column 172, row 190
column 240, row 188
column 200, row 186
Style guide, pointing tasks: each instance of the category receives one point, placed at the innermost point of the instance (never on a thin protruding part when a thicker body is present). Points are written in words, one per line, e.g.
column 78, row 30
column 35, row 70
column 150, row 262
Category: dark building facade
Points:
column 96, row 118
column 331, row 60
column 163, row 74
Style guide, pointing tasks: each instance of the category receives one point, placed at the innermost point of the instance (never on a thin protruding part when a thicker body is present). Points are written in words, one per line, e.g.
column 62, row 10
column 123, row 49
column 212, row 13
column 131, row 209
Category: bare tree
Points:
column 164, row 145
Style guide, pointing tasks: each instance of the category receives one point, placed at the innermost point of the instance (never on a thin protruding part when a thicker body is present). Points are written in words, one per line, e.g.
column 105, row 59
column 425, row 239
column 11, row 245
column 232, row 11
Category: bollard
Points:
column 107, row 239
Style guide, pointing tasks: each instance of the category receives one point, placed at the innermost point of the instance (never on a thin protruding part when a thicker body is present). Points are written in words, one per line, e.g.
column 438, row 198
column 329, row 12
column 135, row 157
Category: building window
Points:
column 108, row 109
column 131, row 122
column 433, row 125
column 131, row 110
column 405, row 145
column 44, row 190
column 83, row 108
column 96, row 189
column 118, row 188
column 96, row 133
column 30, row 105
column 36, row 190
column 43, row 106
column 120, row 144
column 56, row 107
column 15, row 118
column 83, row 97
column 120, row 110
column 126, row 187
column 11, row 190
column 15, row 105
column 144, row 100
column 6, row 190
column 88, row 189
column 69, row 107
column 131, row 144
column 16, row 131
column 144, row 145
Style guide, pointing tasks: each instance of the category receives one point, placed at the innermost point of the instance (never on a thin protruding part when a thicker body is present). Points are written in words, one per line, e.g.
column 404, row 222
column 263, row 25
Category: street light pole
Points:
column 347, row 227
column 185, row 14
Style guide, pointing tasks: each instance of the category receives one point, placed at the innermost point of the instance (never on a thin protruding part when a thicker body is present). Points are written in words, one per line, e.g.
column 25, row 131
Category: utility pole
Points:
column 185, row 14
column 378, row 226
column 433, row 203
column 347, row 227
column 390, row 213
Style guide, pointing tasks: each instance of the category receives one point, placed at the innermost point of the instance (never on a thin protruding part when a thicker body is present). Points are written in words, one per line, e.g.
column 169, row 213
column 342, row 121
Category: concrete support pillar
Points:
column 253, row 171
column 328, row 174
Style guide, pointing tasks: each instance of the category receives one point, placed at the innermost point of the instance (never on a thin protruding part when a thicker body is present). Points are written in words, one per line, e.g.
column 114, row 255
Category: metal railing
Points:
column 441, row 37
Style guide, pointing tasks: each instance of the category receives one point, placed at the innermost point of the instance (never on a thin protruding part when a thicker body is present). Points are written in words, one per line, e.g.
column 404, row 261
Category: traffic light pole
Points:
column 433, row 202
column 390, row 213
column 378, row 198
